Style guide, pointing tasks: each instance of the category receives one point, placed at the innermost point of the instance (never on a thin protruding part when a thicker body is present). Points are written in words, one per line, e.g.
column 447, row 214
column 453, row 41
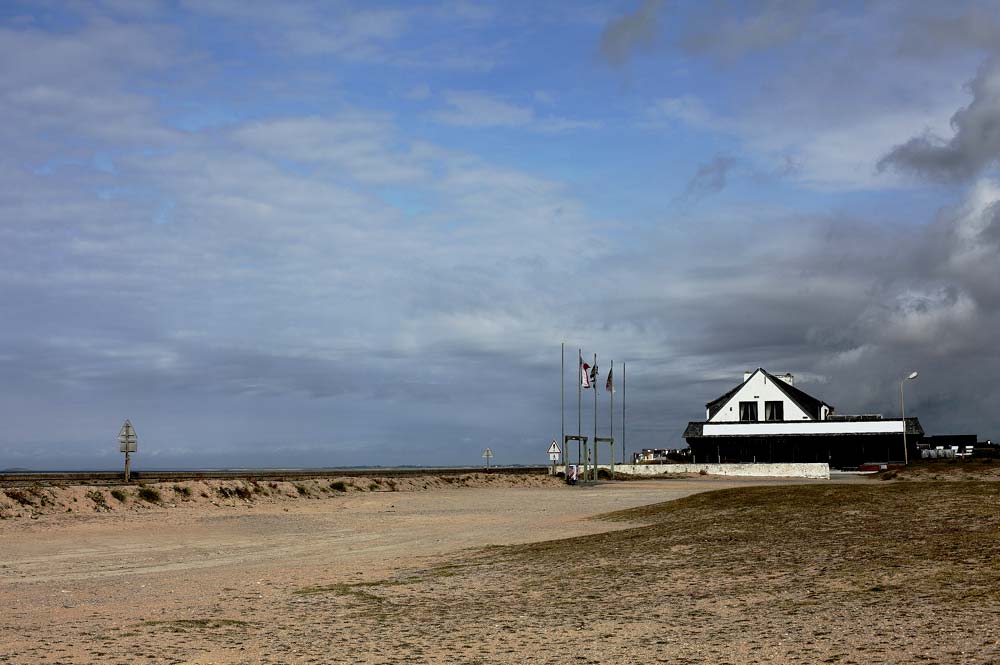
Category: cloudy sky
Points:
column 337, row 234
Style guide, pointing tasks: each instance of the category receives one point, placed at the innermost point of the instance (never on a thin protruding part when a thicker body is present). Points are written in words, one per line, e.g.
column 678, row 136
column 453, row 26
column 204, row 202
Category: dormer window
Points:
column 748, row 412
column 774, row 410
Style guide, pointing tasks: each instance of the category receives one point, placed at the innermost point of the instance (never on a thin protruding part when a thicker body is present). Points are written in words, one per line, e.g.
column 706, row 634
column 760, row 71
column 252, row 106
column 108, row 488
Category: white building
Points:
column 767, row 419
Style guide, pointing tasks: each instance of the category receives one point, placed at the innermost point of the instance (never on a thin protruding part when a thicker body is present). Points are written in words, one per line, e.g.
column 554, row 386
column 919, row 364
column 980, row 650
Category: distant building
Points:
column 948, row 446
column 767, row 419
column 661, row 455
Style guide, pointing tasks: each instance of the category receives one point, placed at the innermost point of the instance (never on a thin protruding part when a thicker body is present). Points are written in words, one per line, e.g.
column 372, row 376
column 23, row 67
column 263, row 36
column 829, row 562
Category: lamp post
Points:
column 902, row 406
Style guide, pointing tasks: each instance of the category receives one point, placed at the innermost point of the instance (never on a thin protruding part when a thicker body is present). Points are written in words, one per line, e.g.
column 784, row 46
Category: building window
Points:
column 774, row 410
column 748, row 412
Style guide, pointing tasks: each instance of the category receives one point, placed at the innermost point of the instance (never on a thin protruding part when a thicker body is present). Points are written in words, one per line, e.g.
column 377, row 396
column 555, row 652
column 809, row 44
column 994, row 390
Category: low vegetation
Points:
column 35, row 500
column 34, row 496
column 356, row 589
column 98, row 498
column 20, row 496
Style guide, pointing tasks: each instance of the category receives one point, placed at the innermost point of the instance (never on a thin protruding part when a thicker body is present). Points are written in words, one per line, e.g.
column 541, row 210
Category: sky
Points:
column 333, row 233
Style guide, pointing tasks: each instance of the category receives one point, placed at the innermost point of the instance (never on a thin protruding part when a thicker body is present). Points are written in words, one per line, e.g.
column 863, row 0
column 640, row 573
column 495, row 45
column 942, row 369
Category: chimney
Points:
column 746, row 375
column 786, row 377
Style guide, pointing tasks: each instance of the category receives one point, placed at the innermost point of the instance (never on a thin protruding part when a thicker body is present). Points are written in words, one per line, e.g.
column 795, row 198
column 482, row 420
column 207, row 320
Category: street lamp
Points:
column 902, row 406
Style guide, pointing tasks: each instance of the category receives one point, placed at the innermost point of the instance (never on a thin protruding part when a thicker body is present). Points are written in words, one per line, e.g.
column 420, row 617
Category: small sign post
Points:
column 127, row 443
column 487, row 455
column 554, row 454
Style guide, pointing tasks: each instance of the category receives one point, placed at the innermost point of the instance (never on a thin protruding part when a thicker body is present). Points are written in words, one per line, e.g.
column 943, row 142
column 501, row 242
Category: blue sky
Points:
column 336, row 233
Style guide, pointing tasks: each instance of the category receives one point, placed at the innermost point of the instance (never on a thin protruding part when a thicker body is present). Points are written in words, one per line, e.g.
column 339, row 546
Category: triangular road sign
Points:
column 554, row 448
column 127, row 439
column 127, row 432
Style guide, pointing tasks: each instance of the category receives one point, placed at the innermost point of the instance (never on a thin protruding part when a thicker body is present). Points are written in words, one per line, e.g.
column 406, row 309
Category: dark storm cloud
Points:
column 849, row 305
column 633, row 32
column 142, row 362
column 935, row 29
column 710, row 178
column 975, row 145
column 961, row 250
column 193, row 400
column 730, row 30
column 719, row 29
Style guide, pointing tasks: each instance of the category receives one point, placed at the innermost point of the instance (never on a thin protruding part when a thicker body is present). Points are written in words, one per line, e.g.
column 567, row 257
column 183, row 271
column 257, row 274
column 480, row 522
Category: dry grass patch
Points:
column 100, row 503
column 806, row 573
column 20, row 496
column 149, row 494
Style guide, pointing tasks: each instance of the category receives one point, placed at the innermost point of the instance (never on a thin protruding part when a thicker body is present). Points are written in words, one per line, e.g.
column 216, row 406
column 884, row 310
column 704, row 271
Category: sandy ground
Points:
column 83, row 587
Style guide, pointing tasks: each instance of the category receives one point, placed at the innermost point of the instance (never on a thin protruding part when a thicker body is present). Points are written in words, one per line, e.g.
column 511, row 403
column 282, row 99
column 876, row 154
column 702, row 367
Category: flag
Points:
column 584, row 375
column 593, row 376
column 610, row 385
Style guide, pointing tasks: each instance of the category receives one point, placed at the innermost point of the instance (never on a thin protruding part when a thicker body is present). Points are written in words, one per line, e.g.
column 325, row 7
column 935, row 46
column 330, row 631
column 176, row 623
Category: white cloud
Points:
column 930, row 319
column 477, row 109
column 832, row 96
column 690, row 110
column 361, row 145
column 314, row 29
column 841, row 153
column 359, row 33
column 339, row 270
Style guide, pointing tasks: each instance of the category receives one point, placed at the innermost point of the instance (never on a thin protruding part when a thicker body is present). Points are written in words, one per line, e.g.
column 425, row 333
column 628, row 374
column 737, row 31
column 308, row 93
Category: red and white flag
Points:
column 584, row 375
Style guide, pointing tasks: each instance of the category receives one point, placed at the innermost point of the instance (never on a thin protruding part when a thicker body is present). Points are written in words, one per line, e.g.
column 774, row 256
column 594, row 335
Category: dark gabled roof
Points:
column 693, row 429
column 802, row 399
column 716, row 404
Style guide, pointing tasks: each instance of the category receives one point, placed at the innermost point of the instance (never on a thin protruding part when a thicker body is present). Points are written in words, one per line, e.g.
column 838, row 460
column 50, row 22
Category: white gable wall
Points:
column 758, row 389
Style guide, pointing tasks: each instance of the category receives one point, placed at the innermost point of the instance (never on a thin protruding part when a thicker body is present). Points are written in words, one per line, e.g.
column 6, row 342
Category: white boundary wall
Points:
column 776, row 470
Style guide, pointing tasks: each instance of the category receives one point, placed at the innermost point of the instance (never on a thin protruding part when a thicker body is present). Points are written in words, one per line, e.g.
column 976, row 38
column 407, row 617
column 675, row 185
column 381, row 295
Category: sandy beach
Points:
column 74, row 585
column 472, row 574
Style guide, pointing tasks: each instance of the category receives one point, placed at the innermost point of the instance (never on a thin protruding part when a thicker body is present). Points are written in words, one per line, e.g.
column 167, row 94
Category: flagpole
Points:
column 623, row 412
column 594, row 386
column 579, row 403
column 562, row 400
column 611, row 380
